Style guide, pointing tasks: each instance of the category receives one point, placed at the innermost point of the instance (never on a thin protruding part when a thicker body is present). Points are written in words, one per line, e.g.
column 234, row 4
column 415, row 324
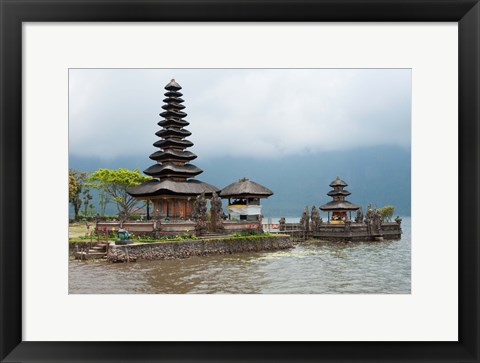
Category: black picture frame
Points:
column 13, row 13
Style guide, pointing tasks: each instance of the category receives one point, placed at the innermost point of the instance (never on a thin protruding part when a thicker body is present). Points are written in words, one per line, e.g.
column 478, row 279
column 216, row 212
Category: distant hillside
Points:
column 377, row 175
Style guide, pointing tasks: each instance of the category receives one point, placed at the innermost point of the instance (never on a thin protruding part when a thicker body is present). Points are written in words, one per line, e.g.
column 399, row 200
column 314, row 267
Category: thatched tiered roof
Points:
column 172, row 159
column 172, row 187
column 338, row 183
column 338, row 194
column 245, row 188
column 172, row 169
column 339, row 205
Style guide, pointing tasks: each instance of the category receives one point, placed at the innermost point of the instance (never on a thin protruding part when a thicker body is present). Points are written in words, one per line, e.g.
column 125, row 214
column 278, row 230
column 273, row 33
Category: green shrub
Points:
column 252, row 232
column 165, row 238
column 387, row 213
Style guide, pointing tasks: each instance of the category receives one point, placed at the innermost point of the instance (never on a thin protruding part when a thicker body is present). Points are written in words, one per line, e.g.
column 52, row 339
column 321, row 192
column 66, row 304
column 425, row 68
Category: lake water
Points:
column 309, row 268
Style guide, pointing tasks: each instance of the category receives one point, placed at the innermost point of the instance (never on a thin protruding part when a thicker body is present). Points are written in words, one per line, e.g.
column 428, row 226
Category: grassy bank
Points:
column 78, row 229
column 79, row 233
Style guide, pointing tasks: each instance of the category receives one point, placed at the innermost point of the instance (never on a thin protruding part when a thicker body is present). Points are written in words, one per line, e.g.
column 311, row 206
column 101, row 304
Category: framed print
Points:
column 255, row 187
column 319, row 202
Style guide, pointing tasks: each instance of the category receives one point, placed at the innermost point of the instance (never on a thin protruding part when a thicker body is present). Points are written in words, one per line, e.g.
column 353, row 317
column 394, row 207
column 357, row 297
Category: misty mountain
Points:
column 379, row 175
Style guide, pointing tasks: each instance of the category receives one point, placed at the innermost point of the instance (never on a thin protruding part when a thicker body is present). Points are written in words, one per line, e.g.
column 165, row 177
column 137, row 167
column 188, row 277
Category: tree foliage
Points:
column 72, row 187
column 103, row 200
column 387, row 213
column 86, row 198
column 114, row 185
column 76, row 185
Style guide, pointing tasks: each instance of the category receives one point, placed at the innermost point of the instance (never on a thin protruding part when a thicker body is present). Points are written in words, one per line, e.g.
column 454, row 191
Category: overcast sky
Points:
column 264, row 113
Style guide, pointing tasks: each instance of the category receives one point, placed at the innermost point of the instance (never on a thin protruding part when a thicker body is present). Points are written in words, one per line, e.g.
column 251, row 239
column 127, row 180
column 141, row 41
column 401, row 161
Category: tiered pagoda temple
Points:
column 339, row 227
column 339, row 207
column 173, row 188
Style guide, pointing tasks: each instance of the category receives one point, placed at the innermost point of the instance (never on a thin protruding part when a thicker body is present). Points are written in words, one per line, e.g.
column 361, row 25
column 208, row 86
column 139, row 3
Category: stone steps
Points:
column 97, row 251
column 95, row 255
column 99, row 248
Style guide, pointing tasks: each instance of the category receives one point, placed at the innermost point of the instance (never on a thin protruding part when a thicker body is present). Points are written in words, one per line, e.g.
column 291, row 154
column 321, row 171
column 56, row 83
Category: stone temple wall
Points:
column 174, row 227
column 356, row 232
column 352, row 232
column 201, row 247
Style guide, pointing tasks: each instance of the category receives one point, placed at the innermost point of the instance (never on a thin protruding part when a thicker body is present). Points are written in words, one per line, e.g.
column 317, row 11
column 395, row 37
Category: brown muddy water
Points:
column 308, row 268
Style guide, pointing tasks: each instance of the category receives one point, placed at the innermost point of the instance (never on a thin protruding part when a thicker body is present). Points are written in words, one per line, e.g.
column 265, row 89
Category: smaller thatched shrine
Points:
column 340, row 226
column 244, row 199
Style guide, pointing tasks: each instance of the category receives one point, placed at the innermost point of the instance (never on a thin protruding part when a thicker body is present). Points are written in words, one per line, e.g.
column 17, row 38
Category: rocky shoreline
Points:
column 189, row 248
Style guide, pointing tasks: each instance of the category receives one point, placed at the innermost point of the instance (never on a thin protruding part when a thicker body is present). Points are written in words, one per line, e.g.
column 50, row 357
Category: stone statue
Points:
column 398, row 220
column 282, row 222
column 369, row 214
column 199, row 214
column 359, row 216
column 216, row 213
column 348, row 224
column 156, row 215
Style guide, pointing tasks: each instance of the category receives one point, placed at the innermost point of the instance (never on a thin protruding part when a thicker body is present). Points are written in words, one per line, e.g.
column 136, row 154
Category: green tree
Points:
column 72, row 187
column 387, row 213
column 92, row 210
column 86, row 198
column 76, row 183
column 115, row 183
column 103, row 200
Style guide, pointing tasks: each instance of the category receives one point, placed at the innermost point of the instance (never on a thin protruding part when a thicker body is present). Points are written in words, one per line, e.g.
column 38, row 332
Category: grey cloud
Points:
column 263, row 113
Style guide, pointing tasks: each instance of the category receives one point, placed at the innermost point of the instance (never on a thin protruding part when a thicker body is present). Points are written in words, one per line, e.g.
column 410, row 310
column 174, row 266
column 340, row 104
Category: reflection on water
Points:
column 309, row 268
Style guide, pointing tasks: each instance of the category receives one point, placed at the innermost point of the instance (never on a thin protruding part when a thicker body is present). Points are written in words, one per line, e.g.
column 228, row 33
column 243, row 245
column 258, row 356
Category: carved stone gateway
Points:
column 377, row 220
column 216, row 214
column 199, row 214
column 305, row 220
column 359, row 217
column 369, row 215
column 316, row 220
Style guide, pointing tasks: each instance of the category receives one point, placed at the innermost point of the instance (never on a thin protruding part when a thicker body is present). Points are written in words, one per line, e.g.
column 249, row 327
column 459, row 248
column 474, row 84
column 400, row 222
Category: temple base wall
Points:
column 354, row 232
column 239, row 226
column 174, row 227
column 184, row 249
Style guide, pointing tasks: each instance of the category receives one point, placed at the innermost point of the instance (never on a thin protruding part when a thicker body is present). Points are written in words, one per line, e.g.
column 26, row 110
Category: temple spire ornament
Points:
column 339, row 206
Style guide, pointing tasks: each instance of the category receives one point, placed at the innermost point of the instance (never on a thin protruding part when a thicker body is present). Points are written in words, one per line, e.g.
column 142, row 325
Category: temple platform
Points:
column 353, row 232
column 356, row 232
column 174, row 227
